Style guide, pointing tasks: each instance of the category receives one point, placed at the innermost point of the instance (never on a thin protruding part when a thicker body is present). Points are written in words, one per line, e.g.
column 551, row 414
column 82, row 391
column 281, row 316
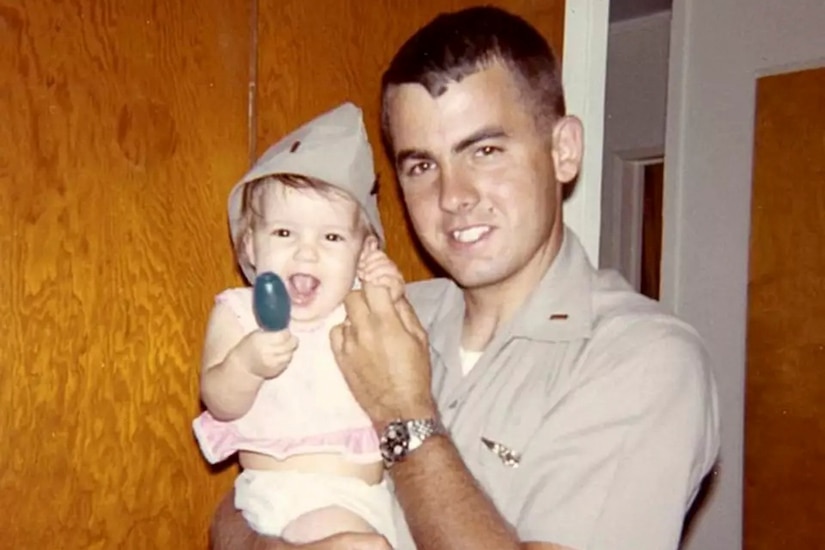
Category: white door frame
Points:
column 627, row 181
column 584, row 70
column 718, row 50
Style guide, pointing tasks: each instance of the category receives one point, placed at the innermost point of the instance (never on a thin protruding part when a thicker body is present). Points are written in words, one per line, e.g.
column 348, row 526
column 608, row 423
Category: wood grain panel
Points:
column 785, row 408
column 314, row 55
column 123, row 128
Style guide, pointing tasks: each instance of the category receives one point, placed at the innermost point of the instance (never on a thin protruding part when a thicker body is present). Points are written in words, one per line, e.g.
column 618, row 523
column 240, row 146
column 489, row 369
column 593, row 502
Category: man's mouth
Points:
column 470, row 235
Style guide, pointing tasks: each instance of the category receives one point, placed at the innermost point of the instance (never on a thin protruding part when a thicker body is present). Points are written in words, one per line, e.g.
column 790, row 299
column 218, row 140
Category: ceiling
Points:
column 628, row 9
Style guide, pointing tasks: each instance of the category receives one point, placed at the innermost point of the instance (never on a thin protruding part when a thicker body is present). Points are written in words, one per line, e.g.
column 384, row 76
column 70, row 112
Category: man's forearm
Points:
column 444, row 506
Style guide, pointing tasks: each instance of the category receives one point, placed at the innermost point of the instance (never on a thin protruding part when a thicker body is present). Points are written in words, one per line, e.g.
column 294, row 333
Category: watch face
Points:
column 395, row 442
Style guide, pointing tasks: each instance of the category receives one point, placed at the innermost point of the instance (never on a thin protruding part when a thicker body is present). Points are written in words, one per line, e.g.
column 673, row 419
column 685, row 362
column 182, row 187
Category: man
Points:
column 551, row 406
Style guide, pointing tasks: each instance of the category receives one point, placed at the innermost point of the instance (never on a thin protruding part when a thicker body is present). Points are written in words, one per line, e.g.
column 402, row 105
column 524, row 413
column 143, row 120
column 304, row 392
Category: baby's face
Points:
column 313, row 242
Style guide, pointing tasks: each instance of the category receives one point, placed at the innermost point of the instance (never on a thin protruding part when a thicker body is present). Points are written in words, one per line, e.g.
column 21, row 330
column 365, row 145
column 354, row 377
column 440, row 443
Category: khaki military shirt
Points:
column 600, row 409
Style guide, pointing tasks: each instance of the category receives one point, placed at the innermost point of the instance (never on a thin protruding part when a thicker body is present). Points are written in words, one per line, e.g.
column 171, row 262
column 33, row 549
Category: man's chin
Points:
column 475, row 279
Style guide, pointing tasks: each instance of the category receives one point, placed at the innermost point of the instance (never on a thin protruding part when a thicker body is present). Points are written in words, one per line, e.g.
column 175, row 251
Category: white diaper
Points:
column 270, row 500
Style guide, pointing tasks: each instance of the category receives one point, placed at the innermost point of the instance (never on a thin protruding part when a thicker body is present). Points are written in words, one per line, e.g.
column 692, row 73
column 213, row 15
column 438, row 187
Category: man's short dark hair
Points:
column 455, row 45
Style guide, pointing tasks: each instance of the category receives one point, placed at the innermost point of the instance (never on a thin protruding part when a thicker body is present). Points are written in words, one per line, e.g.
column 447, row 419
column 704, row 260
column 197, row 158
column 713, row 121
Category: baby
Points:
column 309, row 454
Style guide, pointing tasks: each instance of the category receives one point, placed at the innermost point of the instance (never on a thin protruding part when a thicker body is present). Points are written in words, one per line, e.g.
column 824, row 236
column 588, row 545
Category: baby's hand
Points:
column 265, row 353
column 376, row 268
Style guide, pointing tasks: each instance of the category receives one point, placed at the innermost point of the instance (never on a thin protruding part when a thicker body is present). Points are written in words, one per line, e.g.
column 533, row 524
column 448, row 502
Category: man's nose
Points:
column 458, row 193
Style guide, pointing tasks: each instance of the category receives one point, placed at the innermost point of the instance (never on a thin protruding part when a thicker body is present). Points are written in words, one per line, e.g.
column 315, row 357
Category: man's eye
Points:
column 419, row 168
column 281, row 233
column 334, row 237
column 488, row 150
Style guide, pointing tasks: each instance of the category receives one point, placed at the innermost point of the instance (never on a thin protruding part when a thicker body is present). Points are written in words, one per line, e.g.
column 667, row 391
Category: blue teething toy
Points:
column 270, row 301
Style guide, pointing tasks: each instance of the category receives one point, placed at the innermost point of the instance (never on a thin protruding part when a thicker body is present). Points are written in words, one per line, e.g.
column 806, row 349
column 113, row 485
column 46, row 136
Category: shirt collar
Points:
column 559, row 309
column 561, row 306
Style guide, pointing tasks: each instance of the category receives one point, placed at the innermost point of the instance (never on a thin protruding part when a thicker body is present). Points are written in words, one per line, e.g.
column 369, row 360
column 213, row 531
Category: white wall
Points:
column 634, row 127
column 718, row 49
column 583, row 74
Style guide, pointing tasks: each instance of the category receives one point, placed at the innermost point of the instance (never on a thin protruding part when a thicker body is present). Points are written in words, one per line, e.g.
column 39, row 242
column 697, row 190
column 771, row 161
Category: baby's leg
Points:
column 323, row 523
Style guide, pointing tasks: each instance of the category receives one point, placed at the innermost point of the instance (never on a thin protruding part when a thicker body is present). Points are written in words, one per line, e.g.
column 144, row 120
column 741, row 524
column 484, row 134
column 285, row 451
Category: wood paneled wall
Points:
column 123, row 126
column 785, row 392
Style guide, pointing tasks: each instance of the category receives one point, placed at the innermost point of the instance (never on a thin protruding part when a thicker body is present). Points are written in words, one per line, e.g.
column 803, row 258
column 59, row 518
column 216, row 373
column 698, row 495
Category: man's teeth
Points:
column 470, row 235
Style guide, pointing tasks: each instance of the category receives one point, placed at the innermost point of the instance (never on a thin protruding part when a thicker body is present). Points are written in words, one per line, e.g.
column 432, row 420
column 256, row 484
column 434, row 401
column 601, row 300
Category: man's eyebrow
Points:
column 411, row 154
column 488, row 132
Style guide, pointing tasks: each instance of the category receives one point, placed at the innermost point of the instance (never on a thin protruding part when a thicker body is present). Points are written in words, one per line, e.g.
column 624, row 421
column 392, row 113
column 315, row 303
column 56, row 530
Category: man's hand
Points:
column 383, row 353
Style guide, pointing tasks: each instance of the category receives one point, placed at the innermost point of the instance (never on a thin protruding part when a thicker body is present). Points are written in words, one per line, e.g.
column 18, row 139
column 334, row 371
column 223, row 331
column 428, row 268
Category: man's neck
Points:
column 489, row 308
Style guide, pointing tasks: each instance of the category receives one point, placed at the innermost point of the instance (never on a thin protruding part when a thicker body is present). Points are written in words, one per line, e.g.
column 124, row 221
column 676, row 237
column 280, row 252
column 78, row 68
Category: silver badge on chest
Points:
column 508, row 457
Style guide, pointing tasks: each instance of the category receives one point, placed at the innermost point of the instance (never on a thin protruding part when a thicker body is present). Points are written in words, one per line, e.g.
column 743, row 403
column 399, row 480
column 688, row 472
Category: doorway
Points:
column 785, row 381
column 637, row 235
column 650, row 262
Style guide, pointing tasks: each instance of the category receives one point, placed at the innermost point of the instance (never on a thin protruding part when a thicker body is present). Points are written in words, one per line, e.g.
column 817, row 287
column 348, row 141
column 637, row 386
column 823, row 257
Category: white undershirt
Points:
column 468, row 359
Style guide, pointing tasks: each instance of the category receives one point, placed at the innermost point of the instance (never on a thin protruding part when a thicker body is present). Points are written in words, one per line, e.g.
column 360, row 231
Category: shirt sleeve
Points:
column 616, row 463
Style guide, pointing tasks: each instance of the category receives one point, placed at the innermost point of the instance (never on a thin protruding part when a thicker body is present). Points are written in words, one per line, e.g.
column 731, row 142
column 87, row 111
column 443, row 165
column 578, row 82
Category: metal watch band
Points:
column 421, row 429
column 401, row 437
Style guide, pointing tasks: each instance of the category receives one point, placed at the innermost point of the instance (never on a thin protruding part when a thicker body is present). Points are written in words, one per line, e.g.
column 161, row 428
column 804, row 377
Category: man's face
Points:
column 480, row 177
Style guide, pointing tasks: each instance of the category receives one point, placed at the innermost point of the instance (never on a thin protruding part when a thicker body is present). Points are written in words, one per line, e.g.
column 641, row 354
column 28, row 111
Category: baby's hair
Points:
column 250, row 204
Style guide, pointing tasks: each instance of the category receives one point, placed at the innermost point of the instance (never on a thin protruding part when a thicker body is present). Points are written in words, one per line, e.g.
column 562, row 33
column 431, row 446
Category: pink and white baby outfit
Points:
column 307, row 409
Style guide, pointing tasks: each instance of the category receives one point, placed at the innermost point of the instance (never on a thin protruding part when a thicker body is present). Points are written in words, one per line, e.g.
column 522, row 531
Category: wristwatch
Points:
column 401, row 437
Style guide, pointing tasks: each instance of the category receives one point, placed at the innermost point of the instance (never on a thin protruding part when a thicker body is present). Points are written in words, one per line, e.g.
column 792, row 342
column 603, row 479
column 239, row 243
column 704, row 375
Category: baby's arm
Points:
column 236, row 364
column 228, row 387
column 376, row 268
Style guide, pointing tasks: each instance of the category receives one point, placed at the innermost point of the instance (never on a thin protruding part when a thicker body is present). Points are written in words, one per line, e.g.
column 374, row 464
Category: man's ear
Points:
column 568, row 144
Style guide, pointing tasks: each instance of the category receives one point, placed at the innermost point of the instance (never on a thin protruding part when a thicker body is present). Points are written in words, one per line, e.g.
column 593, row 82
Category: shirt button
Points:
column 453, row 405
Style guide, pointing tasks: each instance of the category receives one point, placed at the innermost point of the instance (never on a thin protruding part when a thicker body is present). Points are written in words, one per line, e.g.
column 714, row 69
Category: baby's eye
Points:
column 281, row 233
column 334, row 237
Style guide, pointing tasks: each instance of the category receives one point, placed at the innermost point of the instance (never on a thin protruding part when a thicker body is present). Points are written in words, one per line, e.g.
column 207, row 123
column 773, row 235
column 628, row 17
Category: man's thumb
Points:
column 336, row 339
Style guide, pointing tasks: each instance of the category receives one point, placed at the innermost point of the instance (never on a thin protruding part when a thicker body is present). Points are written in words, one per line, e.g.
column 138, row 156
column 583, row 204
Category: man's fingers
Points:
column 336, row 339
column 356, row 307
column 409, row 319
